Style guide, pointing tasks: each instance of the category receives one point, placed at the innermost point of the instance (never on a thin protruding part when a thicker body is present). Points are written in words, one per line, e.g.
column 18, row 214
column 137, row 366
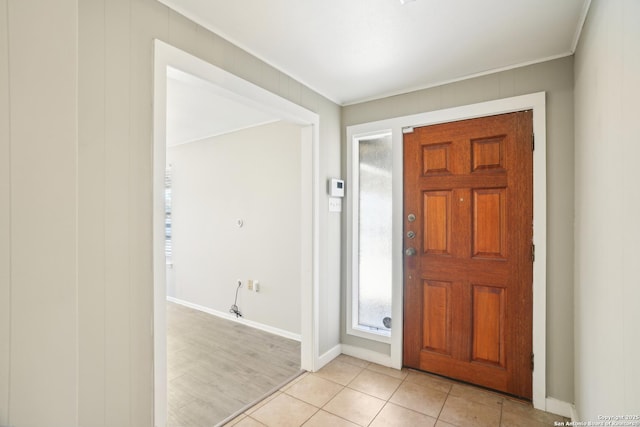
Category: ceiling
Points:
column 356, row 50
column 196, row 110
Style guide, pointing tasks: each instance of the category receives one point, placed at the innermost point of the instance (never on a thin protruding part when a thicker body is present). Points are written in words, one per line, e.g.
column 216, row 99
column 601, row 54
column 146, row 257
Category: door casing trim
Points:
column 535, row 102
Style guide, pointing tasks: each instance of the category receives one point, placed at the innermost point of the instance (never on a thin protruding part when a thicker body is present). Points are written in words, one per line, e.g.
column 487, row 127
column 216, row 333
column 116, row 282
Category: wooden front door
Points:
column 468, row 215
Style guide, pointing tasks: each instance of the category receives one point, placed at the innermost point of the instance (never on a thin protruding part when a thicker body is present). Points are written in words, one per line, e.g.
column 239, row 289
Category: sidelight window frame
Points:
column 353, row 326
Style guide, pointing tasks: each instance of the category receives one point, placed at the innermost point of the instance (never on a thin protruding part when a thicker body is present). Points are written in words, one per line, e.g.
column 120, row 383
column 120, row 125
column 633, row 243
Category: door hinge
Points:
column 408, row 129
column 532, row 356
column 533, row 252
column 533, row 141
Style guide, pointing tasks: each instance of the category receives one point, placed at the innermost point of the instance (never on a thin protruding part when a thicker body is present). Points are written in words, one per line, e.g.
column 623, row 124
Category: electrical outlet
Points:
column 250, row 285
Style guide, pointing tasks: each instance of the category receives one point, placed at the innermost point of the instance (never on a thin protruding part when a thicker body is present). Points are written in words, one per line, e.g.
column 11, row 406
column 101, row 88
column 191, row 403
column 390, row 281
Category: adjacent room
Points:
column 233, row 201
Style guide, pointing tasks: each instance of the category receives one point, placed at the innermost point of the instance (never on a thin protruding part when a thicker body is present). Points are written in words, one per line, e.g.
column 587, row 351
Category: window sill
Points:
column 370, row 333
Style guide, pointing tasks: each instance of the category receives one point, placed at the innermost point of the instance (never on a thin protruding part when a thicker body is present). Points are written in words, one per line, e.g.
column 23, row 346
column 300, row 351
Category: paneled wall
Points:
column 38, row 223
column 556, row 79
column 607, row 270
column 5, row 217
column 76, row 345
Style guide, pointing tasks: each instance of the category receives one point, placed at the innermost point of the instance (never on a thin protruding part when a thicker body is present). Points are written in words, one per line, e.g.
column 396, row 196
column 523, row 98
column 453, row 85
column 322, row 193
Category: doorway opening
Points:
column 278, row 109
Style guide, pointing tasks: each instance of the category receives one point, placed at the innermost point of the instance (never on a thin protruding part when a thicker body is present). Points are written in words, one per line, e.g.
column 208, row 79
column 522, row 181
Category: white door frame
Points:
column 235, row 88
column 535, row 102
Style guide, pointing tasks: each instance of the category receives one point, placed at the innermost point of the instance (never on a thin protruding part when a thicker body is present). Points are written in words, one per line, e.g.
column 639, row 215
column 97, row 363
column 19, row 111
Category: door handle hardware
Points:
column 411, row 234
column 410, row 251
column 411, row 217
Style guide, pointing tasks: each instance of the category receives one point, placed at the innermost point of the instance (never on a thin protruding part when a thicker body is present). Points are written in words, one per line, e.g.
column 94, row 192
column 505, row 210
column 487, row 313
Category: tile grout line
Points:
column 444, row 403
column 359, row 369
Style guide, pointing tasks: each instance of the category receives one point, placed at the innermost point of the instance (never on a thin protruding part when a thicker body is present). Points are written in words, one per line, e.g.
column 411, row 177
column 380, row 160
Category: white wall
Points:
column 76, row 279
column 253, row 175
column 607, row 237
column 38, row 217
column 556, row 79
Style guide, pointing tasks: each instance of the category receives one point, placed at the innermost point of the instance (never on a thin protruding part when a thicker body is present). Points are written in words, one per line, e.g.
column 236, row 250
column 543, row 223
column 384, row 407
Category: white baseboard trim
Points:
column 328, row 356
column 368, row 355
column 574, row 413
column 560, row 407
column 242, row 320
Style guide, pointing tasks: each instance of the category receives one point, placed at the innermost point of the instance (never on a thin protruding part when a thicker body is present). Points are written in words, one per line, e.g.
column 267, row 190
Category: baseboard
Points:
column 242, row 320
column 560, row 407
column 574, row 413
column 328, row 356
column 368, row 355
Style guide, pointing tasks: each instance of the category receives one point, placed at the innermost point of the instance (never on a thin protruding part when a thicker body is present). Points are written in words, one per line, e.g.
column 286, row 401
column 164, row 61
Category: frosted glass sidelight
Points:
column 374, row 231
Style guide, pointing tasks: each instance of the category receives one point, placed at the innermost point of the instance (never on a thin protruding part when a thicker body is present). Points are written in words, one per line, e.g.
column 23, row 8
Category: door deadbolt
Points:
column 411, row 234
column 410, row 251
column 411, row 217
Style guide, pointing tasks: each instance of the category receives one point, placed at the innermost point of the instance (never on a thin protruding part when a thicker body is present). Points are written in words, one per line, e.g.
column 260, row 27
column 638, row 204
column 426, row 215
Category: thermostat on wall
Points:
column 336, row 187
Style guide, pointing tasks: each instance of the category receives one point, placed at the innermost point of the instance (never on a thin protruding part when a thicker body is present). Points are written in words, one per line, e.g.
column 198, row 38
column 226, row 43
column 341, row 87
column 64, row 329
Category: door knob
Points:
column 410, row 251
column 411, row 217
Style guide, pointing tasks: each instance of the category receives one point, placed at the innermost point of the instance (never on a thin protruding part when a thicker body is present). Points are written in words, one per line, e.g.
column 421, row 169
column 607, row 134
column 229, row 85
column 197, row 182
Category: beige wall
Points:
column 38, row 152
column 607, row 238
column 78, row 181
column 5, row 217
column 253, row 175
column 556, row 78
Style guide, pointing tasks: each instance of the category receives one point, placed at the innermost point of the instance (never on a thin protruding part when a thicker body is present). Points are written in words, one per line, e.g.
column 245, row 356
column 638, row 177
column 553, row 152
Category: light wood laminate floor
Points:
column 216, row 367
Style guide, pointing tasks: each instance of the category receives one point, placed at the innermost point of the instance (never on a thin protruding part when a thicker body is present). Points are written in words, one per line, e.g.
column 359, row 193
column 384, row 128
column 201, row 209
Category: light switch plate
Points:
column 335, row 204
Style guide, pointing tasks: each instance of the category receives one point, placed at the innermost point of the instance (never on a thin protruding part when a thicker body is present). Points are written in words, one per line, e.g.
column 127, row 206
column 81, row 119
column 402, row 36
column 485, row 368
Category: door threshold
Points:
column 498, row 393
column 264, row 398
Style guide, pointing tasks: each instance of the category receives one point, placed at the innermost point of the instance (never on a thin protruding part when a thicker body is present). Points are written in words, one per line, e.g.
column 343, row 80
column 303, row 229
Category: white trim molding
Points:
column 241, row 320
column 357, row 352
column 535, row 102
column 368, row 355
column 560, row 407
column 583, row 17
column 328, row 356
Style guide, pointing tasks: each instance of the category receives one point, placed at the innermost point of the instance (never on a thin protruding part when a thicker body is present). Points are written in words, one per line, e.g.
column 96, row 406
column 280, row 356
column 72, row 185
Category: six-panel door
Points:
column 468, row 288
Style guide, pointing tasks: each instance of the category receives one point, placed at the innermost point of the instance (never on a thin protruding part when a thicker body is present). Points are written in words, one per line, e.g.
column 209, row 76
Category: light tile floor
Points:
column 352, row 392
